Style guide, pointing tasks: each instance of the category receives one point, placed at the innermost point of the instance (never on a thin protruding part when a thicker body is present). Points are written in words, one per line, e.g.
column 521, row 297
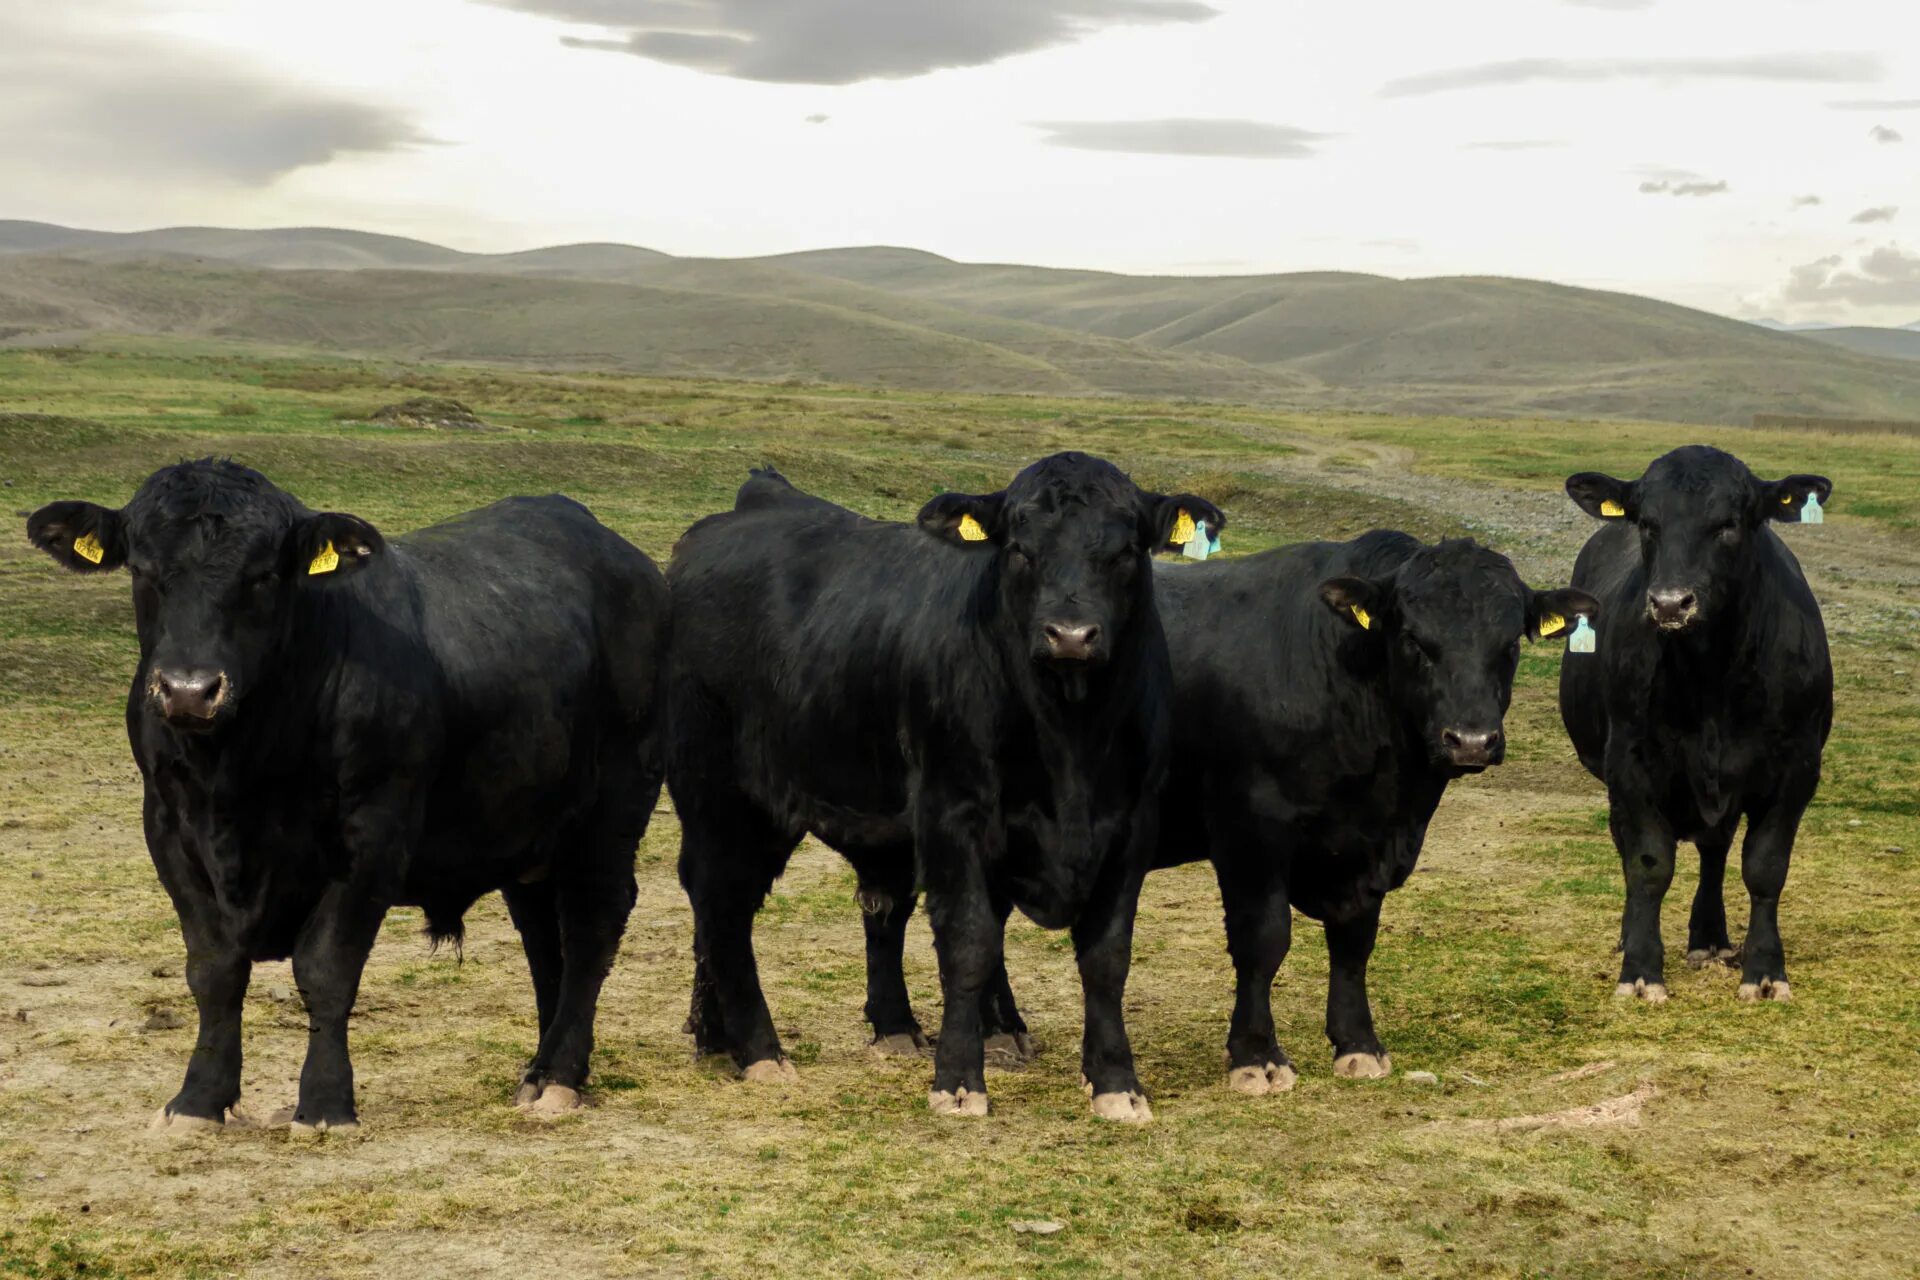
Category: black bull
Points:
column 979, row 704
column 329, row 723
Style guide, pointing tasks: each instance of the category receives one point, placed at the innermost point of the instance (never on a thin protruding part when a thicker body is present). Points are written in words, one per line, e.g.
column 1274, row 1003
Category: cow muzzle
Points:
column 1673, row 608
column 1071, row 641
column 189, row 699
column 1473, row 748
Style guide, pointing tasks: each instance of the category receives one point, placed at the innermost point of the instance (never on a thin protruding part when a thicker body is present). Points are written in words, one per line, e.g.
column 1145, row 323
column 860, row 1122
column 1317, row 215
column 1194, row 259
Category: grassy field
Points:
column 1778, row 1140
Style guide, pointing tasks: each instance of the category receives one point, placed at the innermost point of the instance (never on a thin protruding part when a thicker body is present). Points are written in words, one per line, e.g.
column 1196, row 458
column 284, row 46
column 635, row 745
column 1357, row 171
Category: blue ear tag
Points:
column 1201, row 544
column 1812, row 512
column 1581, row 641
column 1213, row 545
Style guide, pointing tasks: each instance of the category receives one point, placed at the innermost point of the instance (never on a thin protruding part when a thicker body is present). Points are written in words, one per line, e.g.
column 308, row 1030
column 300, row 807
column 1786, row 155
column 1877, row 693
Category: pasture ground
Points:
column 1776, row 1140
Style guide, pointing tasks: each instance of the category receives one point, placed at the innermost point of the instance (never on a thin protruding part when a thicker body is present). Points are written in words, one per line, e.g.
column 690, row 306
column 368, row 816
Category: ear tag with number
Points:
column 1581, row 641
column 1182, row 529
column 88, row 548
column 325, row 561
column 971, row 530
column 1361, row 616
column 1551, row 624
column 1610, row 509
column 1201, row 544
column 1813, row 512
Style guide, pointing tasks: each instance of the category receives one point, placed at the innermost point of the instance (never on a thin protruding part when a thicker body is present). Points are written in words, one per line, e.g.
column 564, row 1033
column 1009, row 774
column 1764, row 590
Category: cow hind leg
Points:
column 886, row 898
column 591, row 912
column 730, row 855
column 1259, row 932
column 1003, row 1031
column 1707, row 940
column 537, row 917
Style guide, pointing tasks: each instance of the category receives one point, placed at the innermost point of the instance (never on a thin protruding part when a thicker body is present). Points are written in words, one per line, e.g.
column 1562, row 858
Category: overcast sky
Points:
column 1754, row 157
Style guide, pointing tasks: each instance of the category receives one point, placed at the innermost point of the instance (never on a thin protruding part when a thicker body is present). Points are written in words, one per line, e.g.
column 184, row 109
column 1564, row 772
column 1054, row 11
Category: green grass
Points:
column 1781, row 1141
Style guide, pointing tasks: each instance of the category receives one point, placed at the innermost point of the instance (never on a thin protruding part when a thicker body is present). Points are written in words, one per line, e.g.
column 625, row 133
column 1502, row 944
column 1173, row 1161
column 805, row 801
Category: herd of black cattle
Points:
column 1007, row 704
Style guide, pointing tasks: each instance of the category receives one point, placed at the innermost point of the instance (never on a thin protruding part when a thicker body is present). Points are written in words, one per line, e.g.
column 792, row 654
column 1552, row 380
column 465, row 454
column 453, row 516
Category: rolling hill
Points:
column 1896, row 344
column 904, row 317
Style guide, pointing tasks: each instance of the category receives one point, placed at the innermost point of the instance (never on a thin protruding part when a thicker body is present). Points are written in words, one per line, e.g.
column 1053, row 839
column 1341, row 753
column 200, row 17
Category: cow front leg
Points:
column 1646, row 849
column 1103, row 946
column 1357, row 1052
column 1707, row 939
column 1259, row 922
column 217, row 975
column 967, row 940
column 1764, row 856
column 328, row 958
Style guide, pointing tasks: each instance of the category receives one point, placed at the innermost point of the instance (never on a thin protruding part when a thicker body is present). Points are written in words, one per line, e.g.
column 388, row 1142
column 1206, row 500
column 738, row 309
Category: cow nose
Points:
column 188, row 696
column 1073, row 641
column 1470, row 747
column 1672, row 608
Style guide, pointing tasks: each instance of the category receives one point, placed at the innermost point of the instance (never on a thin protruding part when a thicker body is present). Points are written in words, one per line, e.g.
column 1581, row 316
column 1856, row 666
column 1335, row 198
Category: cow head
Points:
column 1072, row 535
column 1449, row 622
column 1696, row 511
column 217, row 555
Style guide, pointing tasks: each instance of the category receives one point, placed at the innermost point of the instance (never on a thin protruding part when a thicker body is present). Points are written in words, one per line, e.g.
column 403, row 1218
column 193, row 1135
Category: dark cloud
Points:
column 1804, row 202
column 86, row 104
column 1880, row 133
column 1880, row 213
column 1242, row 139
column 1823, row 68
column 1883, row 277
column 1516, row 144
column 843, row 41
column 1877, row 104
column 1663, row 187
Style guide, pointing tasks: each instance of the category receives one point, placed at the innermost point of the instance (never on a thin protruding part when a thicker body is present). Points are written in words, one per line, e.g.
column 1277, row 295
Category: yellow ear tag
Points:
column 1610, row 508
column 1361, row 616
column 88, row 548
column 326, row 561
column 1552, row 624
column 1182, row 529
column 972, row 530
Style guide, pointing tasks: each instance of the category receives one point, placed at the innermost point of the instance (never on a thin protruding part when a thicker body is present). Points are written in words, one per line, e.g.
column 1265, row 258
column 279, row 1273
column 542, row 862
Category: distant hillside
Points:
column 1896, row 344
column 904, row 317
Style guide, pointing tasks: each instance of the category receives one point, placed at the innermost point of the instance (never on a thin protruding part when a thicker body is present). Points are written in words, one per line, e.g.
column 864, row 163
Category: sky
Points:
column 1751, row 157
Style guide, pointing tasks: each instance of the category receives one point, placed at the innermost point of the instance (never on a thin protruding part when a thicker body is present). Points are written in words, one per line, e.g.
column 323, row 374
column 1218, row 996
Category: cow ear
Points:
column 1356, row 600
column 1599, row 495
column 83, row 536
column 333, row 544
column 965, row 519
column 1552, row 613
column 1172, row 519
column 1796, row 497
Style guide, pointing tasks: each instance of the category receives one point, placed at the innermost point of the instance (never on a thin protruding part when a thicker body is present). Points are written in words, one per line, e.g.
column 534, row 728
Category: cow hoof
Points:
column 1258, row 1082
column 1651, row 992
column 301, row 1131
column 172, row 1125
column 1767, row 989
column 961, row 1102
column 546, row 1102
column 1701, row 957
column 1122, row 1108
column 901, row 1044
column 1363, row 1066
column 1013, row 1048
column 770, row 1071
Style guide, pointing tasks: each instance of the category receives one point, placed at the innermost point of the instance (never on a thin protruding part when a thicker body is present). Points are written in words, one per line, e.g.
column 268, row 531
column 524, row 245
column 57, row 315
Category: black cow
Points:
column 330, row 724
column 1709, row 696
column 979, row 704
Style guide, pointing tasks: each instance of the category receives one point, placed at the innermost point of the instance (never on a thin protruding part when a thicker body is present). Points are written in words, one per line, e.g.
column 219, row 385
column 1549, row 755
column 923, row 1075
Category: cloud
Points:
column 1516, row 144
column 1822, row 68
column 818, row 117
column 1806, row 201
column 1880, row 213
column 82, row 102
column 1619, row 5
column 1876, row 104
column 1698, row 187
column 844, row 41
column 1241, row 139
column 1880, row 133
column 1883, row 277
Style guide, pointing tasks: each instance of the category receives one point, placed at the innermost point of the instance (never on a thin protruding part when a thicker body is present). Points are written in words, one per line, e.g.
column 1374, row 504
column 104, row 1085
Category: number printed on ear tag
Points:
column 1610, row 508
column 1551, row 624
column 1182, row 529
column 325, row 561
column 1581, row 641
column 971, row 530
column 88, row 548
column 1361, row 616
